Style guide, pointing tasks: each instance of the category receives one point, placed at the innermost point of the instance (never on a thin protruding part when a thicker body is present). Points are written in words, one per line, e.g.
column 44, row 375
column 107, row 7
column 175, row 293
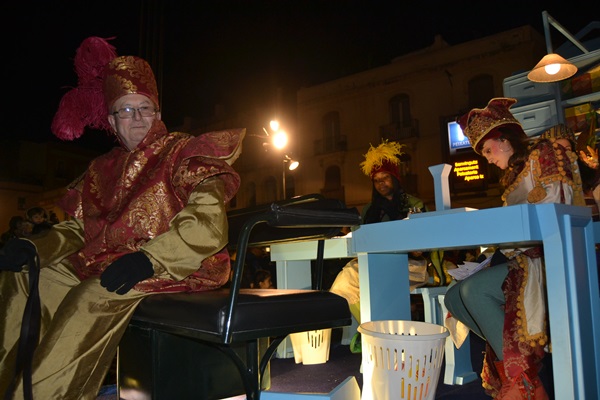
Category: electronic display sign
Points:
column 456, row 138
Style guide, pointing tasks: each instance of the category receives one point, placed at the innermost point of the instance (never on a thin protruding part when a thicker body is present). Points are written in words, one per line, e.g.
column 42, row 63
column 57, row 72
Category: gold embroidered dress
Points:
column 550, row 175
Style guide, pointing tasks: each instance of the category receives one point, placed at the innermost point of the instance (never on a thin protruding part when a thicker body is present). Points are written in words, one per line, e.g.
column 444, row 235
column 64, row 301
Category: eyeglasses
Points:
column 129, row 112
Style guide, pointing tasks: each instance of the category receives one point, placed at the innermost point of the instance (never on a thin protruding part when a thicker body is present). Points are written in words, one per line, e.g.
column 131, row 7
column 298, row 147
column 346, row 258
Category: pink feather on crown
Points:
column 83, row 106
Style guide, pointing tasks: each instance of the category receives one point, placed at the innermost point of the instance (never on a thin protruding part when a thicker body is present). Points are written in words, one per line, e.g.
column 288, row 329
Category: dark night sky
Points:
column 237, row 52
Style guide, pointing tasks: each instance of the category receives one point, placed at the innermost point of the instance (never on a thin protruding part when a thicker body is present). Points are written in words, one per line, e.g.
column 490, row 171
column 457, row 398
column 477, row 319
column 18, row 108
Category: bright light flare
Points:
column 280, row 139
column 293, row 165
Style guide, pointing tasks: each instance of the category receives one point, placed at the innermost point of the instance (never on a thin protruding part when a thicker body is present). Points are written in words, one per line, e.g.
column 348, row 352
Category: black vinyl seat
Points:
column 169, row 349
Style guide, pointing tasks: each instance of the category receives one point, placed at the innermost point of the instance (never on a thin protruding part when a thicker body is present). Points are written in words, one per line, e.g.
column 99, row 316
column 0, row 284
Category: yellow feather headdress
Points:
column 382, row 158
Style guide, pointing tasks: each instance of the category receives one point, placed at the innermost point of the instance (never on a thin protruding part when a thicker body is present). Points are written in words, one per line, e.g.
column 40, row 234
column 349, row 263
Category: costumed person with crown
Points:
column 505, row 303
column 147, row 217
column 389, row 202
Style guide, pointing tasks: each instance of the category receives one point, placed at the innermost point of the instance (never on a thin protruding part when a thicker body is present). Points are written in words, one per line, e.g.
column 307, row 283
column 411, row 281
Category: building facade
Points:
column 37, row 174
column 410, row 100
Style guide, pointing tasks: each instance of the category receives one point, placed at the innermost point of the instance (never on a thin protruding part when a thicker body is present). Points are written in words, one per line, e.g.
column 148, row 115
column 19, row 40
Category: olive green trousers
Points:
column 81, row 326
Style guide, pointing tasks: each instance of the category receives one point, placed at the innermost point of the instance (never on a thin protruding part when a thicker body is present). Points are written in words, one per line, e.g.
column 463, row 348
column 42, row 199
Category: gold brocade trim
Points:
column 540, row 338
column 486, row 385
column 511, row 188
column 145, row 215
column 134, row 165
column 129, row 74
column 478, row 122
column 125, row 85
column 185, row 175
column 131, row 165
column 534, row 167
column 536, row 194
column 120, row 235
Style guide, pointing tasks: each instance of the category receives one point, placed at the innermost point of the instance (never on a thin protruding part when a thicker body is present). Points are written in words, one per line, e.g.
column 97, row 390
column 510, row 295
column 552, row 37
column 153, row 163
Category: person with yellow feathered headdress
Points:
column 389, row 201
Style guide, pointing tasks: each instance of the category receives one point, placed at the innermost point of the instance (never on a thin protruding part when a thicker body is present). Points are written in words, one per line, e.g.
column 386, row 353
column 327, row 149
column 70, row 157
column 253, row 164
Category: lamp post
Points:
column 293, row 164
column 279, row 139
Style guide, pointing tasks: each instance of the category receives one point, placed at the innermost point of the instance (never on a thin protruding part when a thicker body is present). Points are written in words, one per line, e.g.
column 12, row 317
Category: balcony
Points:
column 396, row 132
column 320, row 147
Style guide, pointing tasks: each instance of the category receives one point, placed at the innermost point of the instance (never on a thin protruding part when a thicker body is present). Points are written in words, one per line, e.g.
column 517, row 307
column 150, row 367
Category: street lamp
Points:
column 292, row 165
column 552, row 67
column 279, row 139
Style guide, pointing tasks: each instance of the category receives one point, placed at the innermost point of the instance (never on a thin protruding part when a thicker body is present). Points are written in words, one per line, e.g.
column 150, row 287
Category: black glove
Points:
column 126, row 272
column 15, row 254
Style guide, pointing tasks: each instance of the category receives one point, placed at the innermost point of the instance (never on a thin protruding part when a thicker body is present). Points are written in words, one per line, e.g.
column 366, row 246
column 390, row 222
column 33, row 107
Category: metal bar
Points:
column 549, row 20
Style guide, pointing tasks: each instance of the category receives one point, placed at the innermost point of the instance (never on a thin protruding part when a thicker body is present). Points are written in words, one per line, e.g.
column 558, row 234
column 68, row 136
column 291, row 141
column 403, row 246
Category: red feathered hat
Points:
column 102, row 79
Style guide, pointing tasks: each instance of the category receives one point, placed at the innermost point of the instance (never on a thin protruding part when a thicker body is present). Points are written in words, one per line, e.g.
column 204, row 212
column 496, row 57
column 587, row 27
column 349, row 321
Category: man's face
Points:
column 384, row 184
column 131, row 131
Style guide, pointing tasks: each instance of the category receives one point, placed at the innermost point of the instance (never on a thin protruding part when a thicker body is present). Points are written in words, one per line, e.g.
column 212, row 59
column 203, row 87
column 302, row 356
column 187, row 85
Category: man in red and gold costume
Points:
column 147, row 217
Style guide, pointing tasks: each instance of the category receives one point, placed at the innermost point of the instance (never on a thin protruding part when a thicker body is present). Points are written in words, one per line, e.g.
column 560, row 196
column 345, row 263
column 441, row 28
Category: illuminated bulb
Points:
column 293, row 165
column 280, row 139
column 274, row 125
column 552, row 69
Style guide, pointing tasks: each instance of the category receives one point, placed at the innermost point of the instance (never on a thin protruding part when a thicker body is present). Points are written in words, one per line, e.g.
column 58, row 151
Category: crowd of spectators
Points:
column 35, row 222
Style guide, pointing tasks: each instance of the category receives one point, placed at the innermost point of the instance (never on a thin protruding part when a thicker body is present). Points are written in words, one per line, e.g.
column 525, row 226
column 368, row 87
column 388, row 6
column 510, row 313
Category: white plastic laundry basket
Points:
column 311, row 347
column 401, row 359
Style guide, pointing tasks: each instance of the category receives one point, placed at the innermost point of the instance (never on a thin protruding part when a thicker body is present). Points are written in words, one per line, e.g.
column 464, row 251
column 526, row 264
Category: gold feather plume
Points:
column 386, row 151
